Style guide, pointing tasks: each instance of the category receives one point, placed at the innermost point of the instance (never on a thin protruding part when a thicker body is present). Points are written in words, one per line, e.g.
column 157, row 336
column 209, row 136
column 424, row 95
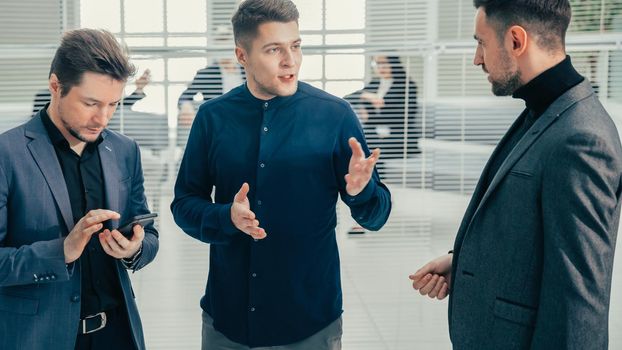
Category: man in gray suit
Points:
column 65, row 182
column 532, row 262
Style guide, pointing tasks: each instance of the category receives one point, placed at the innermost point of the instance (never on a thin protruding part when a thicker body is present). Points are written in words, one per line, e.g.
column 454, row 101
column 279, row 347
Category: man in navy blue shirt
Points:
column 278, row 153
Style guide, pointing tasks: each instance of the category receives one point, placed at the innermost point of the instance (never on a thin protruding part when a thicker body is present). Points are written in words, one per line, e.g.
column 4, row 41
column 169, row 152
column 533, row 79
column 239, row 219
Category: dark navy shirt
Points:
column 293, row 152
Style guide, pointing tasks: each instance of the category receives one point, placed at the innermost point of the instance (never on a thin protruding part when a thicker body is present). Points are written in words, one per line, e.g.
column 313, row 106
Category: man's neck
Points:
column 75, row 144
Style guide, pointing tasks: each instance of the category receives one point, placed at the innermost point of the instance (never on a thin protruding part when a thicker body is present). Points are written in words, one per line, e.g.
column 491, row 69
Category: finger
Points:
column 439, row 284
column 258, row 233
column 442, row 294
column 120, row 239
column 250, row 224
column 373, row 158
column 88, row 231
column 244, row 213
column 242, row 193
column 114, row 245
column 419, row 274
column 98, row 216
column 357, row 150
column 429, row 286
column 139, row 233
column 105, row 246
column 421, row 282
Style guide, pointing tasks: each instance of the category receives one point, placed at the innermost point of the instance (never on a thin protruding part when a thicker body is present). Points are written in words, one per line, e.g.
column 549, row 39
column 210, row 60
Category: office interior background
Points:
column 457, row 119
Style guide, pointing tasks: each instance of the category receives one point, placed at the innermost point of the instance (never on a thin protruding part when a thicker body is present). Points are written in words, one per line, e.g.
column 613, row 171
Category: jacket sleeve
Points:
column 581, row 210
column 371, row 207
column 38, row 262
column 138, row 205
column 193, row 208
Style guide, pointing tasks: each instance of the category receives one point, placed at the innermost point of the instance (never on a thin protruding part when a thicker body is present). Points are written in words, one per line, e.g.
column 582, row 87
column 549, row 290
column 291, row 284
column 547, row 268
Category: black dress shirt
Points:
column 101, row 290
column 538, row 94
column 293, row 152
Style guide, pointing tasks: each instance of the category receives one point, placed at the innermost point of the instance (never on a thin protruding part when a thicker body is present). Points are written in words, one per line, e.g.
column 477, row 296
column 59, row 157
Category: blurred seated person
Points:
column 212, row 81
column 382, row 106
column 43, row 96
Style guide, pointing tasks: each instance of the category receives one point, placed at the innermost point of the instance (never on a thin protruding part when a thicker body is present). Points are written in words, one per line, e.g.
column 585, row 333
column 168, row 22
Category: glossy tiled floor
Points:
column 381, row 309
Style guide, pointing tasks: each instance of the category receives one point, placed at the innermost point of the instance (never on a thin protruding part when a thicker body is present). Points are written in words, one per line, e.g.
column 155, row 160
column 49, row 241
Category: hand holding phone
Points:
column 127, row 229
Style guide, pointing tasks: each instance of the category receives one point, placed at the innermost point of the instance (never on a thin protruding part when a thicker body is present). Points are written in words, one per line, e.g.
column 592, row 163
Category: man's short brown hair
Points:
column 89, row 50
column 253, row 13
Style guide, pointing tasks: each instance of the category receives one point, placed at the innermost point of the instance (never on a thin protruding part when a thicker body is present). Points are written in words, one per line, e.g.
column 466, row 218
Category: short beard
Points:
column 75, row 133
column 78, row 136
column 510, row 81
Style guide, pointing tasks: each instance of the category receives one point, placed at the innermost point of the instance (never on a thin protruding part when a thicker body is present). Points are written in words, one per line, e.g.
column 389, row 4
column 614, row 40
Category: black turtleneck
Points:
column 538, row 94
column 542, row 90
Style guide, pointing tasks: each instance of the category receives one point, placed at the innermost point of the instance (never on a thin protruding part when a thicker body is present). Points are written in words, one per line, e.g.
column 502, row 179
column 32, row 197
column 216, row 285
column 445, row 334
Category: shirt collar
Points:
column 56, row 136
column 268, row 104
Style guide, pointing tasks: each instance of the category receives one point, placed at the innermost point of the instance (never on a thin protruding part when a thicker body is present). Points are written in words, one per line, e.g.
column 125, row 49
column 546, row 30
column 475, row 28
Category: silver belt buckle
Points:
column 102, row 325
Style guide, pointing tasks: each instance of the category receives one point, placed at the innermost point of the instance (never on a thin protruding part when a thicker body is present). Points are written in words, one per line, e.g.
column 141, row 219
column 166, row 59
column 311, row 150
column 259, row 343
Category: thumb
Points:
column 242, row 193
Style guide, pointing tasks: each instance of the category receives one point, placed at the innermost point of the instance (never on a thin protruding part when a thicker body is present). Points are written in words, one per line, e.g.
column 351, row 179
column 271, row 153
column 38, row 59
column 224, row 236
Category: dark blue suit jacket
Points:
column 39, row 295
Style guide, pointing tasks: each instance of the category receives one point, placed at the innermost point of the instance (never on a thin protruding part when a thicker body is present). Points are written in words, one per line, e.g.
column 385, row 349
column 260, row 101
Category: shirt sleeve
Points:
column 371, row 207
column 193, row 208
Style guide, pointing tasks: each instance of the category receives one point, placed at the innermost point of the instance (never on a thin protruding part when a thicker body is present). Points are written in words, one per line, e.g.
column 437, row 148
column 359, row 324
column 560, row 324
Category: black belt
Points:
column 93, row 323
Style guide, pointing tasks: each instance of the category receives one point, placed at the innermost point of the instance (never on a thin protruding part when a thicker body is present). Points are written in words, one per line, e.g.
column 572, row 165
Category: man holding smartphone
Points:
column 65, row 181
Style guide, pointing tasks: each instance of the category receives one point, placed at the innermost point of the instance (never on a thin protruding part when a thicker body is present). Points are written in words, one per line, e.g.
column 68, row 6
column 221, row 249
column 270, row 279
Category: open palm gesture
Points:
column 360, row 168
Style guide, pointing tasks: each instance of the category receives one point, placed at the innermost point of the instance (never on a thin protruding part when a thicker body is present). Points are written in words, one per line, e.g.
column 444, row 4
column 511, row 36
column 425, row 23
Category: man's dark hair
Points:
column 547, row 19
column 253, row 13
column 89, row 50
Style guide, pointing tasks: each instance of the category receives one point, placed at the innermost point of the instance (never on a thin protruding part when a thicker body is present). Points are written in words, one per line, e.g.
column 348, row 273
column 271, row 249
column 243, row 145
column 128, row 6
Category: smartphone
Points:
column 142, row 220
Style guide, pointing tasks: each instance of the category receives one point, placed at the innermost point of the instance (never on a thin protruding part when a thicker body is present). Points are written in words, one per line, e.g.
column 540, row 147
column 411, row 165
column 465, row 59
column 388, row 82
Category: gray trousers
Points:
column 328, row 338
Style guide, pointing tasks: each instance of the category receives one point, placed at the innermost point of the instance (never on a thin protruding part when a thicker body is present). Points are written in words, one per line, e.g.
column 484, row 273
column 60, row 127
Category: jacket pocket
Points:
column 513, row 312
column 18, row 305
column 520, row 173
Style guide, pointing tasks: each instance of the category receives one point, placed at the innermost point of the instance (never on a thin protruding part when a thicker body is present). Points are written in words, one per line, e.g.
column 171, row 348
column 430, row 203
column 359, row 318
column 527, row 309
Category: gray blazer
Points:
column 533, row 259
column 39, row 296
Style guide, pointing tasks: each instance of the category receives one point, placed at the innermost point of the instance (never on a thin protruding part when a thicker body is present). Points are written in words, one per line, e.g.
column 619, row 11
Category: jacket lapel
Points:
column 43, row 153
column 111, row 173
column 555, row 111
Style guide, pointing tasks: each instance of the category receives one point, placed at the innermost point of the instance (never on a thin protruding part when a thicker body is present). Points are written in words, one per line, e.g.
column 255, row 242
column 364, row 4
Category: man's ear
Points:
column 518, row 37
column 54, row 85
column 240, row 54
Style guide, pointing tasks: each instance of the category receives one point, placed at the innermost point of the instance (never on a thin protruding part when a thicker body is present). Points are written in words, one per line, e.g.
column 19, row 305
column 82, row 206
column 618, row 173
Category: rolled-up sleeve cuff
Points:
column 224, row 216
column 364, row 196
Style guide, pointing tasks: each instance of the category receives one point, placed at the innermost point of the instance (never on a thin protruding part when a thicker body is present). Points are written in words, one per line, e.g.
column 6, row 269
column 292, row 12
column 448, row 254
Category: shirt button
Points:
column 252, row 309
column 265, row 105
column 262, row 165
column 75, row 298
column 258, row 202
column 265, row 129
column 255, row 239
column 254, row 274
